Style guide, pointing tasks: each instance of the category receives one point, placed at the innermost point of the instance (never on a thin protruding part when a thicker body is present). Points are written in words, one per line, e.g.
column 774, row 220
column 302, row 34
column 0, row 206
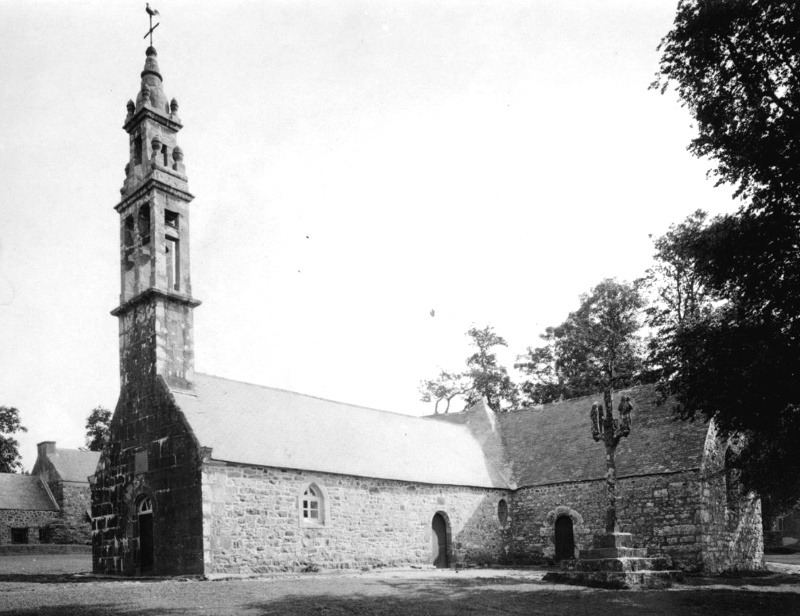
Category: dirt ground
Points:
column 60, row 585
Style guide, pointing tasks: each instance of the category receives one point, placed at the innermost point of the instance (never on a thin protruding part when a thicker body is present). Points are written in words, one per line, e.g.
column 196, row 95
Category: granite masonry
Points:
column 254, row 525
column 206, row 475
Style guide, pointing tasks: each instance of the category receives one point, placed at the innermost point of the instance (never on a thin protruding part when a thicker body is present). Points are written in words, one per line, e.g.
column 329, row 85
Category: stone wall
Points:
column 693, row 516
column 253, row 521
column 731, row 527
column 76, row 503
column 151, row 453
column 32, row 520
column 75, row 500
column 661, row 511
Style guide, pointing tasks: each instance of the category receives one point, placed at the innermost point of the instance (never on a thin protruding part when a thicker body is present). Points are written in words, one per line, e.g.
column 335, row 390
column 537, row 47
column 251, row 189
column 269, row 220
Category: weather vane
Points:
column 151, row 12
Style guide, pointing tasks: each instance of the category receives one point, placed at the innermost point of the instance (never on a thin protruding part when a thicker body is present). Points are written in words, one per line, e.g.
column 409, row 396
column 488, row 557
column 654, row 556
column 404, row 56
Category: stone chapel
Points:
column 206, row 475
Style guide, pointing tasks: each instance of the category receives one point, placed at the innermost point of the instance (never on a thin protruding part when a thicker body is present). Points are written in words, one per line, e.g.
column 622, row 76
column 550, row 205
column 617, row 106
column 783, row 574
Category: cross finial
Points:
column 151, row 12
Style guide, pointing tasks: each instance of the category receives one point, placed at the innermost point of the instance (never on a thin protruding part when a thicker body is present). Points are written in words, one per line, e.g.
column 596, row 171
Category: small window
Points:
column 128, row 231
column 164, row 155
column 137, row 150
column 502, row 511
column 171, row 219
column 19, row 535
column 173, row 264
column 42, row 535
column 312, row 506
column 144, row 224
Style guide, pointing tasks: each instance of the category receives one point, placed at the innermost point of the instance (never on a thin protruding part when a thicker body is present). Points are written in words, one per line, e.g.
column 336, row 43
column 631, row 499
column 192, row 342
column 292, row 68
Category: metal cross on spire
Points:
column 151, row 12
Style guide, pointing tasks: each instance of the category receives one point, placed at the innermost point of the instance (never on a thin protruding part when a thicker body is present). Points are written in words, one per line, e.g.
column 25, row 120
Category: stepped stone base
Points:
column 614, row 563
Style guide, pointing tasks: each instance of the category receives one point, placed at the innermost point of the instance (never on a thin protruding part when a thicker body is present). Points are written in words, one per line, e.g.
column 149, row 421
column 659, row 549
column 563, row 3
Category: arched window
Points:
column 146, row 505
column 312, row 503
column 502, row 511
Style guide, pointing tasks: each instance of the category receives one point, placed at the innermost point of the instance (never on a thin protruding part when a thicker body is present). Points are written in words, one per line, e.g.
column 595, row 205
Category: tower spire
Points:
column 156, row 303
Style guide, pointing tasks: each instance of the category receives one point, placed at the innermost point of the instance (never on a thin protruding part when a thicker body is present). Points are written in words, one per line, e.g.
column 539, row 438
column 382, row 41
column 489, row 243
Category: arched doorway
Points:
column 145, row 515
column 565, row 538
column 439, row 541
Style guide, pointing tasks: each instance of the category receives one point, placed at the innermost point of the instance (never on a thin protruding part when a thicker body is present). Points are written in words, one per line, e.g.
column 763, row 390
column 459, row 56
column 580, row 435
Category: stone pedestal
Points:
column 613, row 562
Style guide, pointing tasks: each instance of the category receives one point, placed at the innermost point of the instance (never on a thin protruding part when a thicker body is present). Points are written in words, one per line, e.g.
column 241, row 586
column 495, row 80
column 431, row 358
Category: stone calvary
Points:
column 614, row 561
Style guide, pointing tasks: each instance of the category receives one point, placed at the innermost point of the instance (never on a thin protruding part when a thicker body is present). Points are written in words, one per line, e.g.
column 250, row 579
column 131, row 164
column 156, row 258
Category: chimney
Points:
column 45, row 448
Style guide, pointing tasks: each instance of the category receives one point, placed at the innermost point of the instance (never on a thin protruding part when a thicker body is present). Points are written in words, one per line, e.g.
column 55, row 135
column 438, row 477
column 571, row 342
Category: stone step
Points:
column 654, row 563
column 613, row 540
column 631, row 580
column 613, row 553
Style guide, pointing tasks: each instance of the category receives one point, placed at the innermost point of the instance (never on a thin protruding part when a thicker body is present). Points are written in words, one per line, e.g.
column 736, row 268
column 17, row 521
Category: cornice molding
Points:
column 149, row 183
column 149, row 113
column 152, row 293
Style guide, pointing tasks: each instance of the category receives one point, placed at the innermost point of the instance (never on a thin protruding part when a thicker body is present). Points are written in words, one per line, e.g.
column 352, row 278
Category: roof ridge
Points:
column 549, row 405
column 297, row 393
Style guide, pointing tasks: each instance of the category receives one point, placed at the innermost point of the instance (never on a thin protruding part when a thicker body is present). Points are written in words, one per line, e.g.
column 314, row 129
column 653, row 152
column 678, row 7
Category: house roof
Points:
column 554, row 444
column 74, row 464
column 252, row 424
column 25, row 492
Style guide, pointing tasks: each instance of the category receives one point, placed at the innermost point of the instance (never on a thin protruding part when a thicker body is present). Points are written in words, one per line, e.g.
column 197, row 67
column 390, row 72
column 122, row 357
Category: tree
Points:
column 446, row 386
column 545, row 383
column 735, row 65
column 10, row 461
column 736, row 356
column 596, row 349
column 489, row 380
column 484, row 377
column 97, row 426
column 678, row 293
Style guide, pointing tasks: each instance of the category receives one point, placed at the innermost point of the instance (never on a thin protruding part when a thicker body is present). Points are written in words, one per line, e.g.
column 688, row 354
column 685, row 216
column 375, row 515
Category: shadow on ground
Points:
column 433, row 597
column 73, row 578
column 751, row 578
column 686, row 603
column 575, row 603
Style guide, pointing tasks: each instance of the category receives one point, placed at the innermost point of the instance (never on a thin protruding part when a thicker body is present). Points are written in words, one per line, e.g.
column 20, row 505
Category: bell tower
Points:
column 156, row 303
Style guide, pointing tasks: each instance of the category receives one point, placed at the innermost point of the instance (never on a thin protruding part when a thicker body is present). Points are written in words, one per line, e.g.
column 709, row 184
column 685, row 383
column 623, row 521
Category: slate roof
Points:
column 258, row 425
column 74, row 465
column 252, row 424
column 25, row 492
column 554, row 444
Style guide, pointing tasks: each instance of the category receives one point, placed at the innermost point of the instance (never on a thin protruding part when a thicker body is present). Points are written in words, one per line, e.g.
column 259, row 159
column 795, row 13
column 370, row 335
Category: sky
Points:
column 355, row 165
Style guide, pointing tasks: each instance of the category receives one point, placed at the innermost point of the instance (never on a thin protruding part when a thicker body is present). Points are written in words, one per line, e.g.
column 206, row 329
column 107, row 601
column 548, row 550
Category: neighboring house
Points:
column 783, row 531
column 205, row 475
column 66, row 472
column 26, row 509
